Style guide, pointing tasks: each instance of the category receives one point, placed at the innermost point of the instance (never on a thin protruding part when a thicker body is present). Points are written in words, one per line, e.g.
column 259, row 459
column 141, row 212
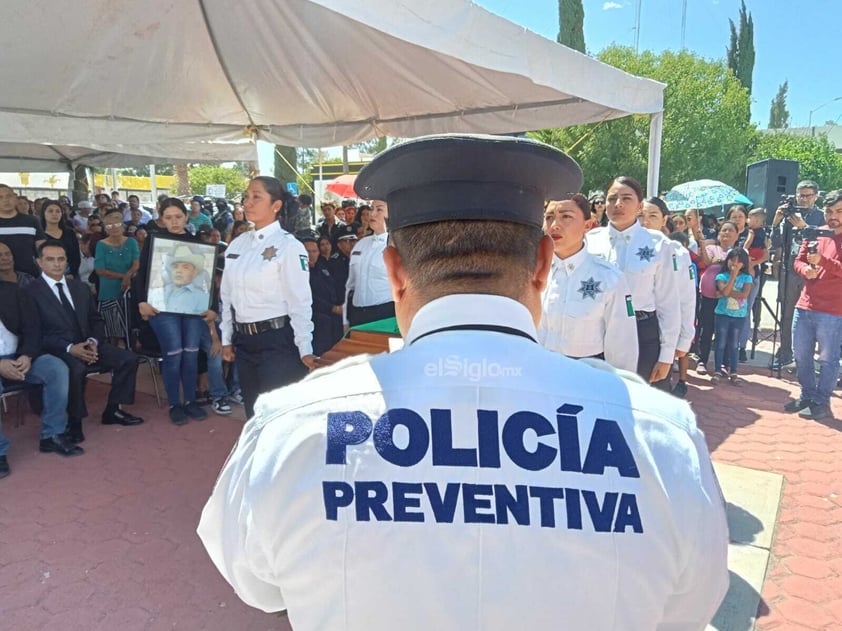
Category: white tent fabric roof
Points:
column 33, row 157
column 153, row 78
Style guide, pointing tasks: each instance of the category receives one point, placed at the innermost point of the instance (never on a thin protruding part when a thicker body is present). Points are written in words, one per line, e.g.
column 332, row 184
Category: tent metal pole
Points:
column 153, row 187
column 656, row 129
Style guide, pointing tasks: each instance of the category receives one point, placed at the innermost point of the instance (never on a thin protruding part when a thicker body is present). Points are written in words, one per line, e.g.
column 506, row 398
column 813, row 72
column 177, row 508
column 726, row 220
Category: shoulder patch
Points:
column 304, row 260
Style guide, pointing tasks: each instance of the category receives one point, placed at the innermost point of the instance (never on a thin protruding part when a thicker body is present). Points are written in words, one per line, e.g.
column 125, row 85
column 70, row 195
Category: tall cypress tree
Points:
column 571, row 20
column 740, row 52
column 778, row 113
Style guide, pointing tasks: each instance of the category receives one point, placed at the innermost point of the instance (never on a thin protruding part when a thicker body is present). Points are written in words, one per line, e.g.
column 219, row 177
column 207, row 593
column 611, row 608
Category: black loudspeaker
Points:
column 767, row 180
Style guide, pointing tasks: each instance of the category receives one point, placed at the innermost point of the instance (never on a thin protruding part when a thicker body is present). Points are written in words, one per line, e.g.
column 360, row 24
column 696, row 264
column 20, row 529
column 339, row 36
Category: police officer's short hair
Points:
column 450, row 257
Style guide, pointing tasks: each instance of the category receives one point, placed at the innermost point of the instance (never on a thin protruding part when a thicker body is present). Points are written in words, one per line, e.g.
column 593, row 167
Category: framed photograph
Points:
column 180, row 275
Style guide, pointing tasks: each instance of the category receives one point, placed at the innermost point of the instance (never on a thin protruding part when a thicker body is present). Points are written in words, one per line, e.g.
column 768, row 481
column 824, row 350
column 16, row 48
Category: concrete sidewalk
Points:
column 107, row 541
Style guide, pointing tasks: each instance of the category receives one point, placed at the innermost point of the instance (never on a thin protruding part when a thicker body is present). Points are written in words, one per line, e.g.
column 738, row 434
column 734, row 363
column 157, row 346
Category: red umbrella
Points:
column 343, row 186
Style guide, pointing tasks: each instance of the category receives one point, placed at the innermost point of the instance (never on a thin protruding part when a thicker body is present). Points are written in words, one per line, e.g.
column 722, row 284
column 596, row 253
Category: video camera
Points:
column 791, row 207
column 811, row 233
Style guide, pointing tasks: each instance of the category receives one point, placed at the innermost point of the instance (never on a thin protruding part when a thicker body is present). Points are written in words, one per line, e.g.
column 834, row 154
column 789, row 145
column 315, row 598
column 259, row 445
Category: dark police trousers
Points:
column 649, row 347
column 364, row 315
column 266, row 361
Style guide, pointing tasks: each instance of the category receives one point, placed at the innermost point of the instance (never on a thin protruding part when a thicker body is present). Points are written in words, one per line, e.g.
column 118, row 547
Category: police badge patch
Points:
column 270, row 253
column 590, row 288
column 645, row 253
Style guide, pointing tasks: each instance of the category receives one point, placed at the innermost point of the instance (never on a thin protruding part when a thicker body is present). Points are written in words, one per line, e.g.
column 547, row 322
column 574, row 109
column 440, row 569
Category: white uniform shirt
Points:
column 429, row 489
column 367, row 276
column 8, row 341
column 267, row 276
column 686, row 281
column 587, row 310
column 645, row 258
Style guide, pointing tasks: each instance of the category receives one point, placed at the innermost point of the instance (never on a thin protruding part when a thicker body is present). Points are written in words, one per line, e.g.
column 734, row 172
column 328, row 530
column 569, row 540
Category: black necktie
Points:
column 68, row 308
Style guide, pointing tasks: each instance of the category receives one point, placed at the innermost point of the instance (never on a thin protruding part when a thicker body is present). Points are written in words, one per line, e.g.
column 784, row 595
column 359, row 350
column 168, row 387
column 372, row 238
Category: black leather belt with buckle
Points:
column 644, row 315
column 253, row 328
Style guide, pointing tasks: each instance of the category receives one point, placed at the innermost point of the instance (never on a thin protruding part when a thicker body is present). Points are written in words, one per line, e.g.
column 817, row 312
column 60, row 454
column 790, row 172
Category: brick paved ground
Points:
column 107, row 541
column 747, row 427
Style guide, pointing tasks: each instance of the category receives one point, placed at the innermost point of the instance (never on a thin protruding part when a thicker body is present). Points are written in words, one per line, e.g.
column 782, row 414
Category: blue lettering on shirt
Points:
column 405, row 438
column 374, row 500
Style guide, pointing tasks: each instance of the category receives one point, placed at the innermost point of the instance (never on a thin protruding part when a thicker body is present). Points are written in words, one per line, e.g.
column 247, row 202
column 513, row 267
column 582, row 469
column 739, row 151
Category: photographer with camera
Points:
column 793, row 215
column 818, row 314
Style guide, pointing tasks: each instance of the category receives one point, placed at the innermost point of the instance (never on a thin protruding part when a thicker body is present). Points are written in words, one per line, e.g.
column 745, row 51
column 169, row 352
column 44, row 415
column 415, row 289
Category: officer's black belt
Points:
column 253, row 328
column 644, row 315
column 597, row 356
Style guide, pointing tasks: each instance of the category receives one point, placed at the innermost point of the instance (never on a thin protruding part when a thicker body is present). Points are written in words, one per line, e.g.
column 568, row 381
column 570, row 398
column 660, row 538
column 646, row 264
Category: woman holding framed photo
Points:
column 174, row 292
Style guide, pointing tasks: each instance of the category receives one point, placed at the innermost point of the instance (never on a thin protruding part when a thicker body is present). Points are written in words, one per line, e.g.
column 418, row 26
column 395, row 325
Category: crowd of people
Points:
column 645, row 289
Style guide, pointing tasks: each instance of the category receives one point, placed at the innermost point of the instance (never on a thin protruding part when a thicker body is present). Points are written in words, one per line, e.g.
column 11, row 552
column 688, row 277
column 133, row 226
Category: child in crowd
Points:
column 758, row 253
column 733, row 285
column 756, row 242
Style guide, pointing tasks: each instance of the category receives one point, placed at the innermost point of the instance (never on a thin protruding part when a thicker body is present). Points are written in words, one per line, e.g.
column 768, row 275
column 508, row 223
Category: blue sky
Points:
column 794, row 40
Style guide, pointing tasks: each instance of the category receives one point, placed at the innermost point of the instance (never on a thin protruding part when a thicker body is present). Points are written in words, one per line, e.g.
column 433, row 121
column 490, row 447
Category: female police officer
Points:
column 645, row 258
column 266, row 299
column 368, row 294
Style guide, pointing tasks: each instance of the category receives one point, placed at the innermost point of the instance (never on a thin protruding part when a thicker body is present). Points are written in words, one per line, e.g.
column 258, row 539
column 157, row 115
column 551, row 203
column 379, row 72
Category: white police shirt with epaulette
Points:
column 587, row 310
column 645, row 258
column 367, row 277
column 686, row 281
column 471, row 481
column 267, row 276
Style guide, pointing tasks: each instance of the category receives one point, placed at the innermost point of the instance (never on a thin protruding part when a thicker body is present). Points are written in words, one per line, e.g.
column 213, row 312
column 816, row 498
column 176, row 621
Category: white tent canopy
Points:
column 15, row 156
column 155, row 78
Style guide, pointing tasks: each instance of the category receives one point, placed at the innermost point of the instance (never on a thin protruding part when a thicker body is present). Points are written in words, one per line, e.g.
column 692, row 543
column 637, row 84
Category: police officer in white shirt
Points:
column 587, row 308
column 473, row 479
column 654, row 217
column 645, row 257
column 265, row 299
column 368, row 294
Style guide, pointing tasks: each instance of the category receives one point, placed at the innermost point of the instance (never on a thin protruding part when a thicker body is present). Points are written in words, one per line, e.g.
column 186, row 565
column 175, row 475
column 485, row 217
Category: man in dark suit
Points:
column 21, row 360
column 74, row 331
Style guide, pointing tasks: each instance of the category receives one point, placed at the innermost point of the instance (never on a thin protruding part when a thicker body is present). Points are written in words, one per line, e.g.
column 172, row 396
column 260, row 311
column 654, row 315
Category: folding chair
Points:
column 145, row 352
column 13, row 389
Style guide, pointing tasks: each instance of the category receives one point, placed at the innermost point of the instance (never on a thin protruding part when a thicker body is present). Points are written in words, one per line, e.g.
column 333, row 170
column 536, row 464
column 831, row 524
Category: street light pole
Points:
column 810, row 117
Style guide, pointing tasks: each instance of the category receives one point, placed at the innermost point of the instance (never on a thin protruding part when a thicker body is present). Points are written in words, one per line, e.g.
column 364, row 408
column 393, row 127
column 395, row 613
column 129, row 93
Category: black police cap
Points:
column 468, row 177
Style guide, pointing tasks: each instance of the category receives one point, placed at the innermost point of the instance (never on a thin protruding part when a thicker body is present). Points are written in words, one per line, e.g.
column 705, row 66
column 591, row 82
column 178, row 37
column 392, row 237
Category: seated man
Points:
column 74, row 331
column 20, row 360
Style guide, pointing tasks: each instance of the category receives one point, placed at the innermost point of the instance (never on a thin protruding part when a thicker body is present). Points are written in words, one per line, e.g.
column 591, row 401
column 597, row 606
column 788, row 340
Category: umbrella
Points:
column 343, row 186
column 703, row 194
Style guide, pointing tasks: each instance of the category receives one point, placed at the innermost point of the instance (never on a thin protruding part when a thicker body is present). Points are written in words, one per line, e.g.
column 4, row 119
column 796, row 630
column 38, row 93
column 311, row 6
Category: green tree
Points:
column 373, row 146
column 740, row 52
column 707, row 133
column 571, row 19
column 818, row 157
column 282, row 170
column 778, row 113
column 143, row 171
column 201, row 175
